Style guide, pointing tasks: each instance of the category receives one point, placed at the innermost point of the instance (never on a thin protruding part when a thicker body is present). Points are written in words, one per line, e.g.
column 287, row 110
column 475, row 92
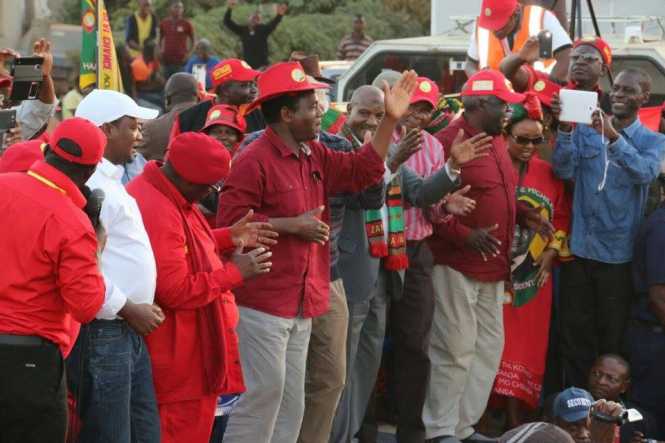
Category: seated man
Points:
column 504, row 27
column 610, row 379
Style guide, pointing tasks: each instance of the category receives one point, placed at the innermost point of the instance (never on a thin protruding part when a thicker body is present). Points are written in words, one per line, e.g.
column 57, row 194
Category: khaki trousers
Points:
column 466, row 343
column 326, row 367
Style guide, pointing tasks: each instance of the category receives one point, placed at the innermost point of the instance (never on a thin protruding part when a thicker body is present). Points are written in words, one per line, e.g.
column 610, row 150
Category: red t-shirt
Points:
column 175, row 34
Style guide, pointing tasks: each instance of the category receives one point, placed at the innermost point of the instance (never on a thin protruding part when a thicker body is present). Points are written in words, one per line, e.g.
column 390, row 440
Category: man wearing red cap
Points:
column 472, row 260
column 504, row 27
column 286, row 177
column 50, row 281
column 234, row 82
column 195, row 352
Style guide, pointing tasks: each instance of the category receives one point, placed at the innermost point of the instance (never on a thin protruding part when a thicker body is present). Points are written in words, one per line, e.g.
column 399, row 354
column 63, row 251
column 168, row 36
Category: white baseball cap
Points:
column 106, row 106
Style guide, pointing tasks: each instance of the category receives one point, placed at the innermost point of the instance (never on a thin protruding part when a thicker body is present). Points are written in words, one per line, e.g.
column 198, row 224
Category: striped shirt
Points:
column 425, row 163
column 350, row 48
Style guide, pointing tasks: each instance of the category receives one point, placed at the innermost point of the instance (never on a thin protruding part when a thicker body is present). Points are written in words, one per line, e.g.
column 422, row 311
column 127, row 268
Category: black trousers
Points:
column 33, row 394
column 410, row 324
column 595, row 307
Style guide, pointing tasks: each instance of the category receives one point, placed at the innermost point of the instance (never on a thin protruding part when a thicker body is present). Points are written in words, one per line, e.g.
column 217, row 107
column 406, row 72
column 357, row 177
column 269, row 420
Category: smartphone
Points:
column 545, row 43
column 27, row 78
column 7, row 121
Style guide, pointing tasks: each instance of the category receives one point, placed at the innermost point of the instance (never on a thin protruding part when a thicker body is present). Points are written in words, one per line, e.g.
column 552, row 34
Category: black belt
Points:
column 23, row 340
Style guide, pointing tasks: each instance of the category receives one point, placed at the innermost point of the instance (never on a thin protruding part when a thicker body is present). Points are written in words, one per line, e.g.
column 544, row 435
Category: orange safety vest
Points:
column 491, row 50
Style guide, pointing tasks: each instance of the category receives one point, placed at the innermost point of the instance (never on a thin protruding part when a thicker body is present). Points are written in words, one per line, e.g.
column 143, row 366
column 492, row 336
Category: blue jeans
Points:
column 110, row 376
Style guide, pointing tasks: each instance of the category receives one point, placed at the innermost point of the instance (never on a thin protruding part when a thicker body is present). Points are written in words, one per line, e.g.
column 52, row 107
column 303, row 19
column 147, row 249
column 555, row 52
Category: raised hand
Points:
column 530, row 51
column 248, row 234
column 409, row 144
column 282, row 8
column 397, row 98
column 42, row 48
column 602, row 123
column 464, row 151
column 311, row 228
column 458, row 204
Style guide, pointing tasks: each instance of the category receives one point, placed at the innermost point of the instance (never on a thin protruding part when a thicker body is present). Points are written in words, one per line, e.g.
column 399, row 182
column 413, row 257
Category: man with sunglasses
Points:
column 612, row 163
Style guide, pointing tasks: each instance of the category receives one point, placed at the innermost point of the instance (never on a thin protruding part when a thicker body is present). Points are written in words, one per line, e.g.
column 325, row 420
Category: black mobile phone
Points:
column 7, row 121
column 545, row 43
column 27, row 78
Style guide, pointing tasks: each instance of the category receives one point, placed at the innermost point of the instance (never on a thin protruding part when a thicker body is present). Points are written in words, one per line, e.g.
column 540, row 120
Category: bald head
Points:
column 366, row 109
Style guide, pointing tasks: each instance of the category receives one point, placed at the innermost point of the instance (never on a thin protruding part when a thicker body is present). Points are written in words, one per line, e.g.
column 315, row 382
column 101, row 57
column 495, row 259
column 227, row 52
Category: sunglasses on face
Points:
column 524, row 141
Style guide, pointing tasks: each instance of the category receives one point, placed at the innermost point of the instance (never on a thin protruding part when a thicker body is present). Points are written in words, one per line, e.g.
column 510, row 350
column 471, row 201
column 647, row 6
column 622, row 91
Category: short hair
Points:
column 472, row 102
column 617, row 358
column 272, row 108
column 358, row 18
column 644, row 78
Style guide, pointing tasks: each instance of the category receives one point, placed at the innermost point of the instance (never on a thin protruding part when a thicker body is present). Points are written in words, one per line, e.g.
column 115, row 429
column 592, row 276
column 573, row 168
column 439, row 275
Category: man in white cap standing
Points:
column 109, row 368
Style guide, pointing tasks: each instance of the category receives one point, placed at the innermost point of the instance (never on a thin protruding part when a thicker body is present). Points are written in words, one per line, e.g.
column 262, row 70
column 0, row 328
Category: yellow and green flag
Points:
column 99, row 61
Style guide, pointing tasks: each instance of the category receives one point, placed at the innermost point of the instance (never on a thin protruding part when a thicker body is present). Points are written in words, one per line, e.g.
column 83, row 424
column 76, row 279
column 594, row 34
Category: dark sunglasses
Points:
column 520, row 140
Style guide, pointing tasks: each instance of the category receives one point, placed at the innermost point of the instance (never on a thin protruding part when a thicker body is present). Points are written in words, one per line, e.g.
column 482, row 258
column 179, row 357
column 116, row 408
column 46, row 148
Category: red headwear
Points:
column 283, row 78
column 600, row 45
column 198, row 158
column 490, row 82
column 79, row 141
column 226, row 115
column 494, row 14
column 426, row 91
column 20, row 156
column 540, row 83
column 232, row 69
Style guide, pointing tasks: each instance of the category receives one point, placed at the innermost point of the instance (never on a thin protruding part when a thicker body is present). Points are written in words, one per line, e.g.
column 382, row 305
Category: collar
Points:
column 51, row 177
column 632, row 128
column 279, row 144
column 154, row 174
column 114, row 172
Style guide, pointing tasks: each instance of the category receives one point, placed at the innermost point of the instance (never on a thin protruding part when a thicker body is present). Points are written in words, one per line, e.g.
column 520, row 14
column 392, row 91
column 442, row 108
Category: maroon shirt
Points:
column 270, row 179
column 175, row 34
column 493, row 188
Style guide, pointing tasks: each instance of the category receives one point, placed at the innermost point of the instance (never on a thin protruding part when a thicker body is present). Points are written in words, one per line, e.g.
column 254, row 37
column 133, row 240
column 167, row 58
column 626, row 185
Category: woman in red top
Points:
column 528, row 301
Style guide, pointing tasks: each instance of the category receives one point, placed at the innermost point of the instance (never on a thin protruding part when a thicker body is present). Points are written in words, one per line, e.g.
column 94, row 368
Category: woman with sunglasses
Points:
column 528, row 299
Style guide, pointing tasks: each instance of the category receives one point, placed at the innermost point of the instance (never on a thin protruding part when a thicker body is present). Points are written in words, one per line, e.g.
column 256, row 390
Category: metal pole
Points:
column 593, row 17
column 573, row 14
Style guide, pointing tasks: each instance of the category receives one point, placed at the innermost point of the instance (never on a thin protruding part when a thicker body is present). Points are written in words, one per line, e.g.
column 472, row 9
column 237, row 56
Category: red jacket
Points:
column 493, row 188
column 270, row 179
column 50, row 280
column 194, row 352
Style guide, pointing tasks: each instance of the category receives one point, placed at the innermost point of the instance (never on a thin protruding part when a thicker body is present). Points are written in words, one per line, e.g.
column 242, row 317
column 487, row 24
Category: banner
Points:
column 108, row 70
column 99, row 61
column 88, row 71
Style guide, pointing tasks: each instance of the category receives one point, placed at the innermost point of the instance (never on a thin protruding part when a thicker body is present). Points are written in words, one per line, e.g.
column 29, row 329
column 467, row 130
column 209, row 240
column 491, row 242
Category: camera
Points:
column 27, row 78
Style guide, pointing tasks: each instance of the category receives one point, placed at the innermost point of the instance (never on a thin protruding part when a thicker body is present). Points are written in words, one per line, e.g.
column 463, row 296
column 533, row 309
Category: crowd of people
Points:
column 248, row 266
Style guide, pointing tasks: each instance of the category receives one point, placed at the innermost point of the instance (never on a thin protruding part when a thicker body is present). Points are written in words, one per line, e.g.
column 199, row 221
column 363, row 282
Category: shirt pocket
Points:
column 287, row 199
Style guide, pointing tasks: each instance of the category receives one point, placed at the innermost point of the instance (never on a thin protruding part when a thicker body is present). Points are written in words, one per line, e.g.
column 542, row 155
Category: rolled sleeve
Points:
column 353, row 171
column 114, row 301
column 32, row 115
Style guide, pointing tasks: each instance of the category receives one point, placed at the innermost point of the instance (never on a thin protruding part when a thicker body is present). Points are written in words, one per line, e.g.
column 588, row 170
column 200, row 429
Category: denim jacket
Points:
column 606, row 218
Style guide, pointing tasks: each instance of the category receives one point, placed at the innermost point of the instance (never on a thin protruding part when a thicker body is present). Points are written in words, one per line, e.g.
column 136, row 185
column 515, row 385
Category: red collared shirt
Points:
column 273, row 181
column 493, row 188
column 50, row 279
column 178, row 347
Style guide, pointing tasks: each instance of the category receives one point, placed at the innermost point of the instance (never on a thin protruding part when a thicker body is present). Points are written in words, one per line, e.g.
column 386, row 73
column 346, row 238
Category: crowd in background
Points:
column 218, row 255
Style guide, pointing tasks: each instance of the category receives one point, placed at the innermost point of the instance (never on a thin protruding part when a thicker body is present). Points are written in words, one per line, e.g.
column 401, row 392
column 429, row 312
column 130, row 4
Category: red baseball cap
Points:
column 540, row 84
column 426, row 91
column 494, row 14
column 20, row 156
column 199, row 158
column 600, row 45
column 283, row 78
column 232, row 69
column 226, row 115
column 79, row 141
column 491, row 82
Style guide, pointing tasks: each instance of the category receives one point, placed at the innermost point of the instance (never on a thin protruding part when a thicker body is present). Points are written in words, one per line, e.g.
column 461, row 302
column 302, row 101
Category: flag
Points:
column 88, row 71
column 99, row 61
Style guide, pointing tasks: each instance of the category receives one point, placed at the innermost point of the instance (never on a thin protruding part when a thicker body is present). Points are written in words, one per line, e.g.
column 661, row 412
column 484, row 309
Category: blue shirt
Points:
column 649, row 262
column 606, row 220
column 209, row 64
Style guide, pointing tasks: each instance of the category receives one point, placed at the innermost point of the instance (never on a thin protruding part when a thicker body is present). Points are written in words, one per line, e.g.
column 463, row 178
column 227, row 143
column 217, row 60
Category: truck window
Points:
column 435, row 66
column 655, row 71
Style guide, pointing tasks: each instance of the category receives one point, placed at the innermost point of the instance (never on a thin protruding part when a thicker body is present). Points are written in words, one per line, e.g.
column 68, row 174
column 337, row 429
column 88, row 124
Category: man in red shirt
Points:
column 50, row 281
column 472, row 261
column 286, row 177
column 176, row 39
column 195, row 352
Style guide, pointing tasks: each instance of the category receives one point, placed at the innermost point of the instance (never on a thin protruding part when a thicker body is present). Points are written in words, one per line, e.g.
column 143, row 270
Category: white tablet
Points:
column 577, row 106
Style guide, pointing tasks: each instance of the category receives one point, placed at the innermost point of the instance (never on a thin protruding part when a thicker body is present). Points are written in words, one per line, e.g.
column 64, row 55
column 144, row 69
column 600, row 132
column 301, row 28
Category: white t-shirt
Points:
column 560, row 37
